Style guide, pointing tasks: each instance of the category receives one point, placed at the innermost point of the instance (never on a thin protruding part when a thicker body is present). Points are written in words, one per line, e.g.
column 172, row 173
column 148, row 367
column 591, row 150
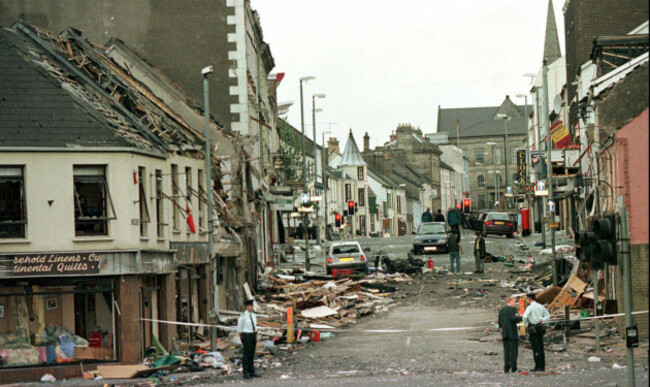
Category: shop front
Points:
column 61, row 312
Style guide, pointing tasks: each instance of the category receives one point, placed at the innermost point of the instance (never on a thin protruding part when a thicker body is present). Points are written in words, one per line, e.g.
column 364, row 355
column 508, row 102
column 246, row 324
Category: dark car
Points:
column 476, row 220
column 499, row 223
column 431, row 238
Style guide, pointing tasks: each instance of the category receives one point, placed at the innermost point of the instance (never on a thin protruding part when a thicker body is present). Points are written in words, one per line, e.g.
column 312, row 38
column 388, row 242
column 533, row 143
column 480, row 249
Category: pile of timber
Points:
column 326, row 304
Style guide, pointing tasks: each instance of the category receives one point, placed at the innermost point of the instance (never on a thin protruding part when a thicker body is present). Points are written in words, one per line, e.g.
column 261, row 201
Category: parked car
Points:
column 476, row 220
column 346, row 255
column 499, row 223
column 431, row 237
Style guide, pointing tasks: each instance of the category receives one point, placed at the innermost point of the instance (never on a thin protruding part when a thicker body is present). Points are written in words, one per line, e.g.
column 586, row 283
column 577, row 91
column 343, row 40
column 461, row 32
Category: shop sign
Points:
column 54, row 264
column 560, row 135
column 521, row 165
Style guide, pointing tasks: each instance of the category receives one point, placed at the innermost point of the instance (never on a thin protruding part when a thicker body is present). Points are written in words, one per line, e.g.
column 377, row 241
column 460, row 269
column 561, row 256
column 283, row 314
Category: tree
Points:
column 291, row 151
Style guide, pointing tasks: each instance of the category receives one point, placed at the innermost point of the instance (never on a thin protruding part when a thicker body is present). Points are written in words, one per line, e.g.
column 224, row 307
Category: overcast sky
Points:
column 382, row 63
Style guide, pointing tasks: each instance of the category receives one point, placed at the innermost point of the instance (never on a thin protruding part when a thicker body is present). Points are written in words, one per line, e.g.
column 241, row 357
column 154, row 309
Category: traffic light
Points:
column 598, row 243
column 351, row 207
column 466, row 204
column 337, row 219
column 605, row 248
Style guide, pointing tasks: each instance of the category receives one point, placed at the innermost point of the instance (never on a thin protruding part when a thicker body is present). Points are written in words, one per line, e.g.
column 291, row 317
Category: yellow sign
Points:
column 560, row 135
column 554, row 225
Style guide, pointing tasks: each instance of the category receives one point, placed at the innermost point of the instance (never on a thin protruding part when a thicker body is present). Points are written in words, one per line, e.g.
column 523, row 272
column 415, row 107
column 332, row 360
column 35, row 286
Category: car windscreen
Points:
column 345, row 249
column 498, row 216
column 431, row 229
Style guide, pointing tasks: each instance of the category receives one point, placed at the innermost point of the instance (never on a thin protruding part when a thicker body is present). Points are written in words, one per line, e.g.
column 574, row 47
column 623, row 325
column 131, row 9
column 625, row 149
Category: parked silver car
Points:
column 346, row 255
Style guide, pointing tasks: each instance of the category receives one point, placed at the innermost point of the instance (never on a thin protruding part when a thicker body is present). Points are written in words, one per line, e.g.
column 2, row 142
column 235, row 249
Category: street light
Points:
column 527, row 162
column 325, row 159
column 313, row 122
column 494, row 162
column 505, row 119
column 208, row 185
column 304, row 171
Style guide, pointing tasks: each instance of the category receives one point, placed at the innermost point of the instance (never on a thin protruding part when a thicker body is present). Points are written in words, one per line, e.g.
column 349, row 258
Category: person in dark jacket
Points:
column 508, row 319
column 453, row 220
column 479, row 252
column 426, row 216
column 439, row 216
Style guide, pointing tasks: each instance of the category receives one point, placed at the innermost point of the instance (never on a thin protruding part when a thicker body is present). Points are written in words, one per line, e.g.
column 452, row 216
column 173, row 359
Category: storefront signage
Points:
column 521, row 166
column 54, row 264
column 560, row 135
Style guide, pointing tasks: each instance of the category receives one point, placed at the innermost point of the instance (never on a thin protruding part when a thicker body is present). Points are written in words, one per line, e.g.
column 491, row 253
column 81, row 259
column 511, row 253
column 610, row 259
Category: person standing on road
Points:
column 439, row 216
column 534, row 318
column 247, row 329
column 508, row 319
column 426, row 216
column 479, row 252
column 453, row 220
column 455, row 249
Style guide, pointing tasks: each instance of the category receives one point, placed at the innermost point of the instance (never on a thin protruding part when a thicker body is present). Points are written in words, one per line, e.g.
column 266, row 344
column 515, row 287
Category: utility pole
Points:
column 313, row 120
column 624, row 236
column 214, row 264
column 506, row 158
column 549, row 167
column 304, row 174
column 325, row 164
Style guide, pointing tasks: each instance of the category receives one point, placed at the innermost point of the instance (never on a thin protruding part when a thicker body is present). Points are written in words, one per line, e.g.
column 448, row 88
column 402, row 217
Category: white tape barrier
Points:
column 234, row 328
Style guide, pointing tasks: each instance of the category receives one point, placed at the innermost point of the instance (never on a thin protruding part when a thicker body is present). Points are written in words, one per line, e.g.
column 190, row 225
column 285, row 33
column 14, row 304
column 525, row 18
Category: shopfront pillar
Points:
column 130, row 337
column 168, row 309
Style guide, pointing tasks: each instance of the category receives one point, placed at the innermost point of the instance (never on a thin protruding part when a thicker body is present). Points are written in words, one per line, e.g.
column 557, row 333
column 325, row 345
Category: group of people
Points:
column 534, row 318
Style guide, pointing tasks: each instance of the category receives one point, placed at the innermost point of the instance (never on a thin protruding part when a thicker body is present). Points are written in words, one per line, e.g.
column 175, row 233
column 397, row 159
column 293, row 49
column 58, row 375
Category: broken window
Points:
column 13, row 217
column 160, row 209
column 175, row 212
column 92, row 200
column 142, row 202
column 188, row 189
column 201, row 192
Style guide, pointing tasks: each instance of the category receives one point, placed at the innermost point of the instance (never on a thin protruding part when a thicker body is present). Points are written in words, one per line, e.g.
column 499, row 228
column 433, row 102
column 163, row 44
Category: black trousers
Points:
column 249, row 341
column 510, row 352
column 537, row 342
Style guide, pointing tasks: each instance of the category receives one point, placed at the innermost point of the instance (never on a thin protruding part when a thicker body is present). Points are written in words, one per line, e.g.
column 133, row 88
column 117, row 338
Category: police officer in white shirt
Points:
column 247, row 329
column 534, row 318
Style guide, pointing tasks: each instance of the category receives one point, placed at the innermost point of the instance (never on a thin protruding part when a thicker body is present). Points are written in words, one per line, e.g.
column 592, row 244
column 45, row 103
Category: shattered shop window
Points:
column 92, row 200
column 13, row 218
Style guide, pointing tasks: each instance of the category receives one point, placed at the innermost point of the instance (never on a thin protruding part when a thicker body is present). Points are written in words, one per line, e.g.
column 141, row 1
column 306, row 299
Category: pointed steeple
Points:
column 351, row 155
column 551, row 42
column 507, row 110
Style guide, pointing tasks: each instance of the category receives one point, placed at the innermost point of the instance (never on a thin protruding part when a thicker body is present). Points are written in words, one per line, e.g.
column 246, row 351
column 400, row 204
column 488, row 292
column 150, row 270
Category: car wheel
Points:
column 509, row 235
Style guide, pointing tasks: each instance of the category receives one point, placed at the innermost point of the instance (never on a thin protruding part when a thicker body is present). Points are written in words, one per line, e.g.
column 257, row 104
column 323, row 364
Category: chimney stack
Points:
column 332, row 146
column 366, row 142
column 393, row 137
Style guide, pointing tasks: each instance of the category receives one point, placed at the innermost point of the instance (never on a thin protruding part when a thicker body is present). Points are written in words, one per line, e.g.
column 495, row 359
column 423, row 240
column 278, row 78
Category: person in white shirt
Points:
column 247, row 329
column 534, row 318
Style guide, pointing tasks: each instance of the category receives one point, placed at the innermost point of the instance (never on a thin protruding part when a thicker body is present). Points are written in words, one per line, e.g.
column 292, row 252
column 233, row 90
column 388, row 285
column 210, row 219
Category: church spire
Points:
column 551, row 42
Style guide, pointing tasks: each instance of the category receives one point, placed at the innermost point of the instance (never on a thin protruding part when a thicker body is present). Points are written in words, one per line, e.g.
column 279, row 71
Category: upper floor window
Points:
column 142, row 201
column 480, row 156
column 176, row 214
column 360, row 173
column 160, row 205
column 201, row 193
column 480, row 181
column 92, row 200
column 362, row 197
column 513, row 156
column 497, row 156
column 188, row 195
column 348, row 192
column 13, row 217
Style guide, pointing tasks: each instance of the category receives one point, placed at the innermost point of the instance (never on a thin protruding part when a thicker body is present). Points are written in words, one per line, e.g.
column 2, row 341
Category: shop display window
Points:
column 54, row 321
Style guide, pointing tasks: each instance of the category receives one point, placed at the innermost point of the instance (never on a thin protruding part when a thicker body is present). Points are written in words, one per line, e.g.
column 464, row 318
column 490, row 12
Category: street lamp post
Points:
column 208, row 186
column 324, row 164
column 494, row 162
column 304, row 173
column 527, row 146
column 313, row 122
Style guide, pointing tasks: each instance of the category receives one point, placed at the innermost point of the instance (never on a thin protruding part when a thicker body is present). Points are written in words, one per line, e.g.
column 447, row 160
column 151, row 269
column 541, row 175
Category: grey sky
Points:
column 382, row 63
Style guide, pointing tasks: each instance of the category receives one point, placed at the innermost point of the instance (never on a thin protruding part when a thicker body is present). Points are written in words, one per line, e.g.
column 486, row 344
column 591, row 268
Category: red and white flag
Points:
column 190, row 218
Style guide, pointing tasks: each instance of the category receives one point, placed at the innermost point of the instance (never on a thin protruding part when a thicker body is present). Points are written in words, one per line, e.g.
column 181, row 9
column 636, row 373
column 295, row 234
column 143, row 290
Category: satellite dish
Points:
column 557, row 104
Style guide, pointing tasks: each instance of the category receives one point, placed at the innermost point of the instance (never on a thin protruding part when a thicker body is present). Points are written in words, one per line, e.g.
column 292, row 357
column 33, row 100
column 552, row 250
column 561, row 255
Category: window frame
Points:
column 479, row 154
column 360, row 174
column 176, row 214
column 22, row 224
column 480, row 181
column 361, row 199
column 348, row 192
column 143, row 205
column 107, row 198
column 497, row 156
column 160, row 204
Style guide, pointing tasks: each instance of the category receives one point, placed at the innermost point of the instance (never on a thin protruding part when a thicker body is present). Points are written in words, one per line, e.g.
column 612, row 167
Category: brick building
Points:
column 586, row 19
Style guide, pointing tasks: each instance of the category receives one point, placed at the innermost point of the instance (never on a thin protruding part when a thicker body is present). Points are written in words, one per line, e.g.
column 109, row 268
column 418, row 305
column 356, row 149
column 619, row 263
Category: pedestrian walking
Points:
column 508, row 319
column 439, row 216
column 534, row 318
column 479, row 253
column 247, row 329
column 455, row 249
column 426, row 216
column 453, row 220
